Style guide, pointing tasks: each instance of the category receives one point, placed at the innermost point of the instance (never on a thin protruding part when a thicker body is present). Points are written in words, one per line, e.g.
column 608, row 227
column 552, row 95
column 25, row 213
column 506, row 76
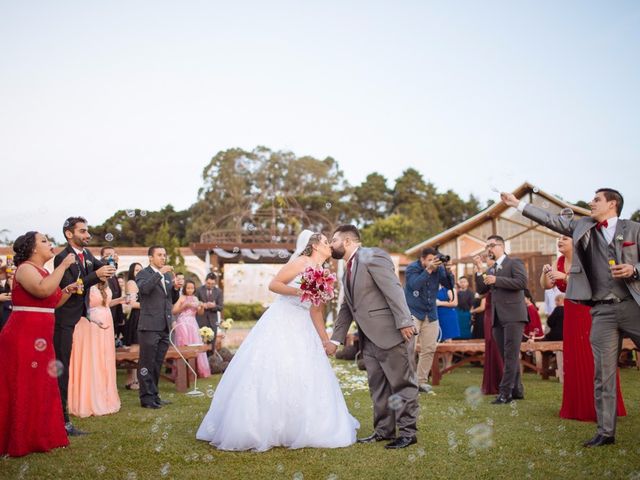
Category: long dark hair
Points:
column 24, row 246
column 131, row 275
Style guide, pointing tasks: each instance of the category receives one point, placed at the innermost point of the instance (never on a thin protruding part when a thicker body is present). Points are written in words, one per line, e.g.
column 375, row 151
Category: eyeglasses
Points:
column 491, row 245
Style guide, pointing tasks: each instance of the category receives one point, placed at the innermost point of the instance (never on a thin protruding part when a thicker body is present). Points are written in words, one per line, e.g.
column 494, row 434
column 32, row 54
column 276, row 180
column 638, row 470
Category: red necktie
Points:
column 602, row 224
column 349, row 263
column 81, row 258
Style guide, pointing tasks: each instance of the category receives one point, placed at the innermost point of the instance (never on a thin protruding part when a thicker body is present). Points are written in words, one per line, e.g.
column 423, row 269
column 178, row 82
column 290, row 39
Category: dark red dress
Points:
column 578, row 397
column 30, row 406
column 493, row 366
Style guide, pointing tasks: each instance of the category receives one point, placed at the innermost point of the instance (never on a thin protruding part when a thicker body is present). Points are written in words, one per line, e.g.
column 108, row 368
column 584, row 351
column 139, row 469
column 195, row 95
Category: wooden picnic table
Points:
column 128, row 358
column 473, row 351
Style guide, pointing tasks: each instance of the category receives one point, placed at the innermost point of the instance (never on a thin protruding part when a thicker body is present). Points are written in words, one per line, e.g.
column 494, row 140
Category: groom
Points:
column 375, row 300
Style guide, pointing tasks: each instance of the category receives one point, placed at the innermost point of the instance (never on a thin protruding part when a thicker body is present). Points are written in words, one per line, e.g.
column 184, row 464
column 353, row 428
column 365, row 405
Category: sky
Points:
column 114, row 105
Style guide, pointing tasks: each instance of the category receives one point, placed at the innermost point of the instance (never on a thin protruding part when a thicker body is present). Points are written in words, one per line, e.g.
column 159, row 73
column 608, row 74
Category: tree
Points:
column 394, row 233
column 372, row 199
column 635, row 216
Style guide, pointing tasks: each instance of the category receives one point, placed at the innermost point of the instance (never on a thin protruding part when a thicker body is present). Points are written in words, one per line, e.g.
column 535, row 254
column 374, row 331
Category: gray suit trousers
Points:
column 391, row 372
column 610, row 322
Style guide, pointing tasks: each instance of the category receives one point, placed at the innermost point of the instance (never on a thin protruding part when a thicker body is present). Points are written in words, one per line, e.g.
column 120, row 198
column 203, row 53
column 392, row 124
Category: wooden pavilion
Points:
column 525, row 239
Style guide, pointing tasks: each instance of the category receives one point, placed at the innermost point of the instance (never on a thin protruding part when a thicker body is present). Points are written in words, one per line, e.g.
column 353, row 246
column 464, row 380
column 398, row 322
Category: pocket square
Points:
column 628, row 244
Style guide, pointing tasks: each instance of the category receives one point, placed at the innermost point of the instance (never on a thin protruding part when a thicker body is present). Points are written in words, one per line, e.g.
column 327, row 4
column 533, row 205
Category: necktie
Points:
column 81, row 258
column 602, row 224
column 349, row 263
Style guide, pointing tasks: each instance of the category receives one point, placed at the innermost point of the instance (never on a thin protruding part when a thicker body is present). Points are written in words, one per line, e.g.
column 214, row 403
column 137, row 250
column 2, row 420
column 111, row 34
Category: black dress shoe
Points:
column 501, row 400
column 160, row 401
column 73, row 431
column 599, row 441
column 401, row 442
column 517, row 396
column 153, row 405
column 374, row 438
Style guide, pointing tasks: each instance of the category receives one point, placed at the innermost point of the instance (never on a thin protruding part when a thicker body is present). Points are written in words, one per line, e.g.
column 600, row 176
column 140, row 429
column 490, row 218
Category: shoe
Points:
column 153, row 405
column 425, row 388
column 401, row 442
column 132, row 386
column 501, row 400
column 518, row 396
column 73, row 431
column 599, row 441
column 162, row 402
column 374, row 438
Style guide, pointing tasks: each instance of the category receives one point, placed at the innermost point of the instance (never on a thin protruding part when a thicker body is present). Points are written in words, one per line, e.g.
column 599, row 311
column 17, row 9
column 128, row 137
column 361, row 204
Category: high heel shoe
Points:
column 132, row 386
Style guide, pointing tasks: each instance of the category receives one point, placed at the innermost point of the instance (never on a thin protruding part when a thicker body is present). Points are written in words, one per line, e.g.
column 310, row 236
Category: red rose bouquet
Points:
column 317, row 285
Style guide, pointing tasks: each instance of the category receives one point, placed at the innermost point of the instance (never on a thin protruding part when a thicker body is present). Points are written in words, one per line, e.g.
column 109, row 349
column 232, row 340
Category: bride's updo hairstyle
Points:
column 313, row 240
column 24, row 247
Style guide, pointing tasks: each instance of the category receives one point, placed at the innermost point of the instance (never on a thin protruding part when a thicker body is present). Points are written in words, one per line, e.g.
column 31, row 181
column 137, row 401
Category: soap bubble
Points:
column 280, row 468
column 411, row 458
column 210, row 392
column 566, row 213
column 101, row 469
column 416, row 293
column 473, row 395
column 40, row 344
column 132, row 476
column 131, row 213
column 481, row 436
column 328, row 205
column 164, row 471
column 143, row 213
column 55, row 368
column 298, row 476
column 109, row 237
column 536, row 189
column 144, row 372
column 207, row 458
column 236, row 249
column 395, row 402
column 545, row 204
column 34, row 364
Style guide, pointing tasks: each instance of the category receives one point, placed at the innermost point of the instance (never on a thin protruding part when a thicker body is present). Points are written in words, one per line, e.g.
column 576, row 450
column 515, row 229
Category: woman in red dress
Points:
column 492, row 369
column 30, row 406
column 578, row 401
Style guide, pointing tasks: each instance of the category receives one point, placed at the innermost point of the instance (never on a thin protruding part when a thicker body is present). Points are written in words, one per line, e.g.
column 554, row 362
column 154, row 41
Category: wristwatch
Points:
column 636, row 274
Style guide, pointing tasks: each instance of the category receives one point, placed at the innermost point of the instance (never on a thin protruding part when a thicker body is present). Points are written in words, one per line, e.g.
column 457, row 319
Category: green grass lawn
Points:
column 529, row 441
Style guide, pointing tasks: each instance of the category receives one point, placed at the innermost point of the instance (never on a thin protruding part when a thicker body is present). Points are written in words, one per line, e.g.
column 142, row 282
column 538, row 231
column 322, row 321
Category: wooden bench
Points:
column 473, row 351
column 127, row 357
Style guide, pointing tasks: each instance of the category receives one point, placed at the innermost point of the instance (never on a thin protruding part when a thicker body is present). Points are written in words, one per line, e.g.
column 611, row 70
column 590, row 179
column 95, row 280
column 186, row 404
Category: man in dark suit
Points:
column 91, row 271
column 506, row 280
column 157, row 294
column 211, row 296
column 605, row 274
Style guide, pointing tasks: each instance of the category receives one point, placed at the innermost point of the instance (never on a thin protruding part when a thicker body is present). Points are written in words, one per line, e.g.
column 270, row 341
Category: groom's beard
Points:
column 337, row 253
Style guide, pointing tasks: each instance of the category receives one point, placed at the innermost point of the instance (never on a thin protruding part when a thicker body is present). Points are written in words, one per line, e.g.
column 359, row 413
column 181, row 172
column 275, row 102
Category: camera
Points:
column 111, row 261
column 443, row 258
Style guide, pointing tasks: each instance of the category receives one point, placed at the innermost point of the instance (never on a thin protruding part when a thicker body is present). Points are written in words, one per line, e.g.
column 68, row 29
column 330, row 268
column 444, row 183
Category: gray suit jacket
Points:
column 626, row 243
column 155, row 303
column 377, row 302
column 507, row 294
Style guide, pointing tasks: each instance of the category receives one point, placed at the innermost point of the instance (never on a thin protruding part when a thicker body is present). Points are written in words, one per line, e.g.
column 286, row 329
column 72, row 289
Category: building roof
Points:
column 491, row 212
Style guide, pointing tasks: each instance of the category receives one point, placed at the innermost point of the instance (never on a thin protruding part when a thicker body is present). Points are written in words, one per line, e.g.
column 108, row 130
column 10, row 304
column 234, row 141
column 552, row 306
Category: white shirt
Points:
column 352, row 255
column 500, row 260
column 161, row 274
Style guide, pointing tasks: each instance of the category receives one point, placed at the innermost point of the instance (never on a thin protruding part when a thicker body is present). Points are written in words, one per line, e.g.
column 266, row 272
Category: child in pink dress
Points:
column 187, row 331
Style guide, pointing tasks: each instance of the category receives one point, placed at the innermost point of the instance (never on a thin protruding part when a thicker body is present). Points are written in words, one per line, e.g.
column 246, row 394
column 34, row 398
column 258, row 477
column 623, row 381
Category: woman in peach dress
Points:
column 92, row 371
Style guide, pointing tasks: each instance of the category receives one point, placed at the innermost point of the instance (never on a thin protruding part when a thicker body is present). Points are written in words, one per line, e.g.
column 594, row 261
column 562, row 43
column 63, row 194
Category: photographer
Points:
column 423, row 278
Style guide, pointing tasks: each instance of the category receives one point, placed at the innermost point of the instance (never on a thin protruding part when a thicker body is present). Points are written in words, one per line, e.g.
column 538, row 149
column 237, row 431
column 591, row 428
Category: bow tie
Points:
column 602, row 224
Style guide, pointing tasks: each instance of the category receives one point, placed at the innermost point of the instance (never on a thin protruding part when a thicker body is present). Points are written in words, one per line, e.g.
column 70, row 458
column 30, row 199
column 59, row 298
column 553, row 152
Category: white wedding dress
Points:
column 279, row 390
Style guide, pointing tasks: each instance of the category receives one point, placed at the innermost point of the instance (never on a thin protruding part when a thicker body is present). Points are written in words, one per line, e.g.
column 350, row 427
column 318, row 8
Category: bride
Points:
column 280, row 390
